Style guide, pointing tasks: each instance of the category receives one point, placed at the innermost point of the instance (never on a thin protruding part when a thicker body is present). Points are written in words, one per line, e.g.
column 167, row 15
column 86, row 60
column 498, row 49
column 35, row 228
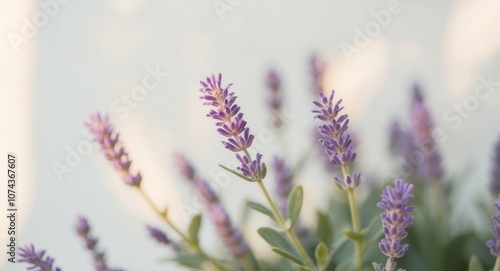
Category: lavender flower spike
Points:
column 396, row 219
column 110, row 146
column 495, row 174
column 230, row 124
column 230, row 236
column 431, row 166
column 317, row 67
column 275, row 100
column 83, row 229
column 38, row 260
column 336, row 143
column 284, row 184
column 161, row 237
column 494, row 245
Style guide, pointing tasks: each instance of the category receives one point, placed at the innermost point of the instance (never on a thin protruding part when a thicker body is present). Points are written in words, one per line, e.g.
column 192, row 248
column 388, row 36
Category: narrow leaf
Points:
column 287, row 255
column 321, row 254
column 353, row 235
column 260, row 208
column 295, row 200
column 194, row 228
column 324, row 228
column 276, row 239
column 190, row 260
column 237, row 174
column 376, row 266
column 475, row 264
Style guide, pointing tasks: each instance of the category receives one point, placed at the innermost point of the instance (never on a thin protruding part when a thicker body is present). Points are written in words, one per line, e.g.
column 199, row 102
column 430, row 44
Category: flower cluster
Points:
column 83, row 229
column 37, row 259
column 104, row 135
column 494, row 245
column 230, row 236
column 396, row 219
column 230, row 123
column 337, row 144
column 495, row 173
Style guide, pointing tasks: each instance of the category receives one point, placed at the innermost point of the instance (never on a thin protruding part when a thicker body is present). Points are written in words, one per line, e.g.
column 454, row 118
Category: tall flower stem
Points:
column 497, row 264
column 193, row 245
column 289, row 231
column 355, row 220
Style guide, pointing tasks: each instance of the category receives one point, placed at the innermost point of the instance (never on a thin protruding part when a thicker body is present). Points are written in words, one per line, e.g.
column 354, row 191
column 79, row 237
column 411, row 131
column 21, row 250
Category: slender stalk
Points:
column 289, row 231
column 497, row 264
column 164, row 217
column 355, row 221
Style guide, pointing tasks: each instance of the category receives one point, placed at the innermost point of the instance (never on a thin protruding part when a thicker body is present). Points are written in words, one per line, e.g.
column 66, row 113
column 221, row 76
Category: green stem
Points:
column 355, row 221
column 164, row 217
column 497, row 264
column 289, row 231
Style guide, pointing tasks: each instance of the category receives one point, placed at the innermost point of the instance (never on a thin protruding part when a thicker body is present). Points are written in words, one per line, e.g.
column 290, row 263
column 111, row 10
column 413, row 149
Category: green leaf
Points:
column 276, row 239
column 263, row 171
column 295, row 200
column 190, row 260
column 475, row 264
column 321, row 254
column 353, row 235
column 324, row 228
column 376, row 267
column 237, row 174
column 287, row 255
column 260, row 208
column 194, row 228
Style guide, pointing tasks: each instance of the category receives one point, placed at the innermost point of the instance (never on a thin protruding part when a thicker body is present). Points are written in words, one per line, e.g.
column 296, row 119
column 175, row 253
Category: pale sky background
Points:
column 89, row 53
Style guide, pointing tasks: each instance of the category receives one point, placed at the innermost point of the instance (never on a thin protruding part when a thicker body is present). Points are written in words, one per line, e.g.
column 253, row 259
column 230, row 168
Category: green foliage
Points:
column 295, row 204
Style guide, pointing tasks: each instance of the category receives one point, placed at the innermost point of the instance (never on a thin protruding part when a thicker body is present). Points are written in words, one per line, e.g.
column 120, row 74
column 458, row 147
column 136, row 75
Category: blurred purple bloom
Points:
column 396, row 218
column 317, row 66
column 83, row 230
column 230, row 236
column 230, row 124
column 29, row 255
column 430, row 168
column 284, row 176
column 418, row 96
column 186, row 169
column 161, row 237
column 337, row 145
column 275, row 100
column 494, row 245
column 495, row 174
column 103, row 133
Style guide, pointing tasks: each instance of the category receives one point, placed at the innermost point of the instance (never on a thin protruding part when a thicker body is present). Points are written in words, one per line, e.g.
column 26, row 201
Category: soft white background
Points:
column 92, row 52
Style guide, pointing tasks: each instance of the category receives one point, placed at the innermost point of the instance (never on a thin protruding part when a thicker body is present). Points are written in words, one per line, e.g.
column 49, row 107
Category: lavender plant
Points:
column 299, row 245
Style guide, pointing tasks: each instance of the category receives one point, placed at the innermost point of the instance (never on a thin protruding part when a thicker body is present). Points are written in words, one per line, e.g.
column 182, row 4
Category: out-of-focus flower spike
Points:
column 104, row 135
column 37, row 259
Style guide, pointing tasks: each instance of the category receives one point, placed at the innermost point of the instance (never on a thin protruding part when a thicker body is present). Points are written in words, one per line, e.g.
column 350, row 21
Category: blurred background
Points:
column 61, row 60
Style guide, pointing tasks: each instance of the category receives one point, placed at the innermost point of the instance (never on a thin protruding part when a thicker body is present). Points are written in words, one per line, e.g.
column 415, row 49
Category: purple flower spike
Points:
column 494, row 245
column 275, row 100
column 38, row 260
column 161, row 237
column 337, row 144
column 103, row 133
column 284, row 176
column 396, row 219
column 83, row 230
column 231, row 237
column 317, row 66
column 430, row 167
column 495, row 174
column 230, row 124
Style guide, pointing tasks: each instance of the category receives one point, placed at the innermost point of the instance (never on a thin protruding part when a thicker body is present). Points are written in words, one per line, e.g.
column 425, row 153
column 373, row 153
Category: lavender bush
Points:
column 409, row 219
